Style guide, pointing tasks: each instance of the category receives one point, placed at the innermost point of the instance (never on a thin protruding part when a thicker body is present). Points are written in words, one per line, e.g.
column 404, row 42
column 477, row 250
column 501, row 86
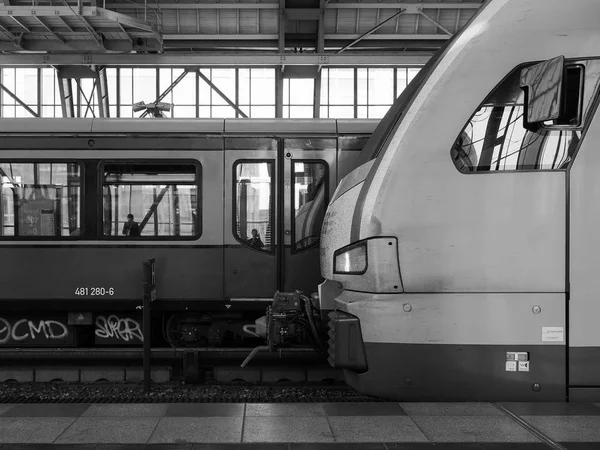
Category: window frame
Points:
column 154, row 162
column 294, row 248
column 272, row 203
column 82, row 193
column 582, row 125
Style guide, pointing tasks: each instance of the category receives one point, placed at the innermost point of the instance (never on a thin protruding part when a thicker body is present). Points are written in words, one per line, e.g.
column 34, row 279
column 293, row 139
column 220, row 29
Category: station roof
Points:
column 227, row 32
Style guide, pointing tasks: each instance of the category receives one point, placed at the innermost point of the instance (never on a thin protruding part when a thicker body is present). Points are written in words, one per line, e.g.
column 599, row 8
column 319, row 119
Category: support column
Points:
column 66, row 75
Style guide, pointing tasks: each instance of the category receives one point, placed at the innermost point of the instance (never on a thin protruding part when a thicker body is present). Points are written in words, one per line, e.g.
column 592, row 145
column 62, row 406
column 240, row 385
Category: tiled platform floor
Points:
column 348, row 426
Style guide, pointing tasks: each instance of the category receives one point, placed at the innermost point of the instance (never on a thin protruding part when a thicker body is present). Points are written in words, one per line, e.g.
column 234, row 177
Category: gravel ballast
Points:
column 119, row 393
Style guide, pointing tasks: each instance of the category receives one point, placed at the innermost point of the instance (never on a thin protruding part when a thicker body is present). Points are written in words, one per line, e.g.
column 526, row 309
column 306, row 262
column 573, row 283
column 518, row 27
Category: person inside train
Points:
column 255, row 241
column 131, row 227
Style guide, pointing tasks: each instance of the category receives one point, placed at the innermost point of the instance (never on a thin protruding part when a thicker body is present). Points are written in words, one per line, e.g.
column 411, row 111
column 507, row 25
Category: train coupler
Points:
column 291, row 319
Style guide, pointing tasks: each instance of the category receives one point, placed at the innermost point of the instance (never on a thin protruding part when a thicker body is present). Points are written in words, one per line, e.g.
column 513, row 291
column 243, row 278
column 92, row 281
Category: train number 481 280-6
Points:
column 94, row 291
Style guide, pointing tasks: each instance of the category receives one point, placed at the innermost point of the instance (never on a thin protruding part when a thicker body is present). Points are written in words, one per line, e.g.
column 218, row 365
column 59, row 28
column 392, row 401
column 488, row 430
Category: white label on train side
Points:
column 553, row 334
column 523, row 366
column 511, row 366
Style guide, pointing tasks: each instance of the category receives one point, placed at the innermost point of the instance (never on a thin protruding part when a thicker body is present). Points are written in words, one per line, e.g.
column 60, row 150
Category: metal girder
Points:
column 126, row 33
column 11, row 36
column 21, row 24
column 66, row 24
column 19, row 101
column 166, row 91
column 321, row 27
column 275, row 37
column 388, row 37
column 275, row 5
column 103, row 103
column 65, row 89
column 222, row 95
column 439, row 25
column 87, row 102
column 92, row 31
column 372, row 30
column 219, row 59
column 49, row 29
column 281, row 21
column 424, row 5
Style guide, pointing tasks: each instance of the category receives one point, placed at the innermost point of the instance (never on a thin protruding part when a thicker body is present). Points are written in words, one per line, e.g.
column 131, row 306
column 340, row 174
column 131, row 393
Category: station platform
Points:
column 300, row 426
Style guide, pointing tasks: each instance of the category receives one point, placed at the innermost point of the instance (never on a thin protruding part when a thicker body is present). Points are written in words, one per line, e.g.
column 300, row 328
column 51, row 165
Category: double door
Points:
column 276, row 194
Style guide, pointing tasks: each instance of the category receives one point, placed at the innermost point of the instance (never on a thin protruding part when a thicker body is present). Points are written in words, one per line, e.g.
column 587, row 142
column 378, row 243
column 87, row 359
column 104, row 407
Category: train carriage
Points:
column 460, row 256
column 196, row 189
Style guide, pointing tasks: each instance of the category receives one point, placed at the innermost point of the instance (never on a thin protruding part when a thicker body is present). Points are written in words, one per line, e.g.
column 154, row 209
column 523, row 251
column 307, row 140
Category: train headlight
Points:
column 351, row 259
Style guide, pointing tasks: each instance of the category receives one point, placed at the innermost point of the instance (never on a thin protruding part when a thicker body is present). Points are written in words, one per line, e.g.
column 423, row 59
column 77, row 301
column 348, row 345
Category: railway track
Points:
column 200, row 366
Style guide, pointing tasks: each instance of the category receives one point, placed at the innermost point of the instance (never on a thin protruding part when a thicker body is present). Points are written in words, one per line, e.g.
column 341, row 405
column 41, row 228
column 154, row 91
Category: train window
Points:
column 163, row 199
column 40, row 199
column 253, row 205
column 309, row 200
column 495, row 139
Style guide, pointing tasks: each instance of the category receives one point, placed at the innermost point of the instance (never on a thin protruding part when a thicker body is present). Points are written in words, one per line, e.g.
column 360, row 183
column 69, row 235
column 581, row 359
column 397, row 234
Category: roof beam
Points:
column 424, row 5
column 92, row 31
column 196, row 60
column 275, row 5
column 321, row 27
column 372, row 30
column 65, row 24
column 275, row 37
column 49, row 29
column 21, row 24
column 439, row 25
column 125, row 31
column 281, row 20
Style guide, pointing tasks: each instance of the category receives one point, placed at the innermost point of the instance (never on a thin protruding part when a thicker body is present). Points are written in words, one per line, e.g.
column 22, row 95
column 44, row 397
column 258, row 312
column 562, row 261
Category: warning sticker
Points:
column 552, row 334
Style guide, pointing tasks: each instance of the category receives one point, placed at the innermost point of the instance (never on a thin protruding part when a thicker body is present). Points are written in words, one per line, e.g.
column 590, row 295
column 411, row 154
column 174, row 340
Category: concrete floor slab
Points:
column 567, row 428
column 126, row 410
column 47, row 410
column 109, row 430
column 451, row 409
column 298, row 429
column 375, row 429
column 472, row 429
column 36, row 430
column 285, row 409
column 180, row 430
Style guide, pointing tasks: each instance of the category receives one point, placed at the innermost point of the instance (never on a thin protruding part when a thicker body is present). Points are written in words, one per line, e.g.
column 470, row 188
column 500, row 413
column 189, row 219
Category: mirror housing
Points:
column 544, row 88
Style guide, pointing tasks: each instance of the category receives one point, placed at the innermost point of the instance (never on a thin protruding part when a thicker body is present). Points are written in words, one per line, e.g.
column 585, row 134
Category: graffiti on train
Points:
column 26, row 331
column 118, row 329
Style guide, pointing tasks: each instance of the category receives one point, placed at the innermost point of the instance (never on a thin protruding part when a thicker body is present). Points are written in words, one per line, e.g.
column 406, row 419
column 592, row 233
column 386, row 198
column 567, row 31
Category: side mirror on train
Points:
column 544, row 88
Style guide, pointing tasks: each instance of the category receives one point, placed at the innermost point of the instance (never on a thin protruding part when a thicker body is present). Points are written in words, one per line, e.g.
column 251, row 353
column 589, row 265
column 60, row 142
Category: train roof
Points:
column 211, row 126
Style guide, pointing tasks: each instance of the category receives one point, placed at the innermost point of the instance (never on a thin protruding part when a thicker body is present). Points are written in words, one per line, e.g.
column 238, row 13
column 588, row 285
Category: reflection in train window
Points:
column 163, row 199
column 254, row 204
column 309, row 200
column 40, row 199
column 496, row 140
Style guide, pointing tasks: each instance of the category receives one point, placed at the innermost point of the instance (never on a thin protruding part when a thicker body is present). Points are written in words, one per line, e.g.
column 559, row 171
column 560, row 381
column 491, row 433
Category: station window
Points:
column 40, row 199
column 309, row 200
column 495, row 139
column 162, row 198
column 254, row 204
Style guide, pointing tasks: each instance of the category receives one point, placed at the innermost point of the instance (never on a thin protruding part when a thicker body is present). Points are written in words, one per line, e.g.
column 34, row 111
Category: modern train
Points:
column 461, row 255
column 231, row 211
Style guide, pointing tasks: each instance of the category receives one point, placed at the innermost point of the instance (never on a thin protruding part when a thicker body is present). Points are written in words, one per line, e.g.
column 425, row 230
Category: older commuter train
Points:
column 231, row 211
column 461, row 256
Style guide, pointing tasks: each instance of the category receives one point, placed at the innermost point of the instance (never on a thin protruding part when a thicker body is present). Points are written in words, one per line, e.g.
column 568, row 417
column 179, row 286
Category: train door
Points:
column 276, row 191
column 584, row 261
column 251, row 211
column 309, row 173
